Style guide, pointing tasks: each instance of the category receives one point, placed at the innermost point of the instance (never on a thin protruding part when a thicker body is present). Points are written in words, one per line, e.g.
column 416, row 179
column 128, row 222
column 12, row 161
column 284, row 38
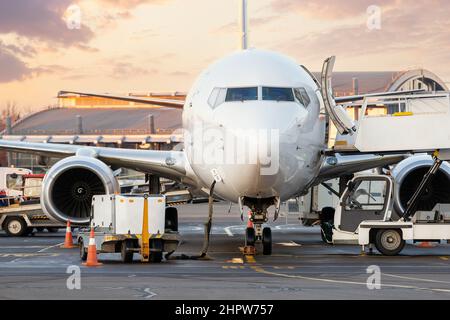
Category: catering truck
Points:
column 365, row 214
column 20, row 210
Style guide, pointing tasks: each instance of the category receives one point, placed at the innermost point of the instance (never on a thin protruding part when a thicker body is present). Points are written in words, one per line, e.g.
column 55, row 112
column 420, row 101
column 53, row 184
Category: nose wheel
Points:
column 267, row 241
column 253, row 235
column 250, row 237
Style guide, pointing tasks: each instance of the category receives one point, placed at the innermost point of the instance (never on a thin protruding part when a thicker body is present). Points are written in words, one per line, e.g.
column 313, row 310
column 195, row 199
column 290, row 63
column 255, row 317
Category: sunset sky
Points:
column 161, row 45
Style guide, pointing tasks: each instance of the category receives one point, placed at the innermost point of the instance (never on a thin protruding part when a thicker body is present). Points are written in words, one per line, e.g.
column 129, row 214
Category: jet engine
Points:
column 69, row 186
column 409, row 173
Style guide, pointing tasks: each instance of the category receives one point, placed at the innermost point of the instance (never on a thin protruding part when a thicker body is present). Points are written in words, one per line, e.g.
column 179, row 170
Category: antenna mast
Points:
column 243, row 20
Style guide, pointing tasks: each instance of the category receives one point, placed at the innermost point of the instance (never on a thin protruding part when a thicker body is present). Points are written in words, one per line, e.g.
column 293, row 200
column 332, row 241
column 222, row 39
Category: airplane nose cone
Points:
column 259, row 115
column 255, row 135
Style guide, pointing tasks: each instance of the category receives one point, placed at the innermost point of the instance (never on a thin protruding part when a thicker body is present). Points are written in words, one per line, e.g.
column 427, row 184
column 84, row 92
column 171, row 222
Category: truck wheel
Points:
column 52, row 230
column 83, row 251
column 156, row 256
column 389, row 242
column 125, row 253
column 171, row 219
column 327, row 214
column 15, row 226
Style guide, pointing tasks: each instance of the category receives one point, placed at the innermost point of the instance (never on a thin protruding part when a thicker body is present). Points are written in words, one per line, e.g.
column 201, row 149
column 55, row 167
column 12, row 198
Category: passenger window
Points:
column 242, row 94
column 302, row 96
column 367, row 195
column 277, row 94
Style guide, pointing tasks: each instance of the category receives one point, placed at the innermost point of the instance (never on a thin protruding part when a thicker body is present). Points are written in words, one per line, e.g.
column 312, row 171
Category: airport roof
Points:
column 99, row 121
column 380, row 81
column 368, row 82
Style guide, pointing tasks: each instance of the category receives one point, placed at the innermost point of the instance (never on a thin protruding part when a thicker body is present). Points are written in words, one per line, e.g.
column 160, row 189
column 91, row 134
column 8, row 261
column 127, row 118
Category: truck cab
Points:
column 11, row 181
column 365, row 216
column 366, row 198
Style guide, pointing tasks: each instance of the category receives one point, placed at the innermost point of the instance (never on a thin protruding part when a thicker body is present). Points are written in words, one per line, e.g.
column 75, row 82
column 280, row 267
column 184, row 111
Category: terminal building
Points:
column 111, row 123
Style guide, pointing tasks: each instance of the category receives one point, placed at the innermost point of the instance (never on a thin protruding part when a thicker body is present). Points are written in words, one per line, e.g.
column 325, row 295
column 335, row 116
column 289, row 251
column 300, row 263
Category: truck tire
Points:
column 83, row 250
column 389, row 242
column 125, row 253
column 171, row 223
column 15, row 226
column 52, row 229
column 156, row 256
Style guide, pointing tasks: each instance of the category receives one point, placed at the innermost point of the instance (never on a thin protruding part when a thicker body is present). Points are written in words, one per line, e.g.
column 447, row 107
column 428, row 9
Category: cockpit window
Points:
column 277, row 94
column 242, row 94
column 302, row 96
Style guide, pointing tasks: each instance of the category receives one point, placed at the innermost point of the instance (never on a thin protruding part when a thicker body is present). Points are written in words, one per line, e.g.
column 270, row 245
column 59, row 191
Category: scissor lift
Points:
column 416, row 123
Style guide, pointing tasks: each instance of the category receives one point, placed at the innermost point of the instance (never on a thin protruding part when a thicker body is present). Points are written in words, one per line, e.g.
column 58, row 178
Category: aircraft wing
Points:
column 169, row 164
column 171, row 103
column 354, row 163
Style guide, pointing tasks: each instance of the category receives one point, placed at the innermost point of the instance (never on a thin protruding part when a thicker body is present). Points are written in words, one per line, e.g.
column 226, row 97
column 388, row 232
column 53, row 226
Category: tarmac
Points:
column 301, row 267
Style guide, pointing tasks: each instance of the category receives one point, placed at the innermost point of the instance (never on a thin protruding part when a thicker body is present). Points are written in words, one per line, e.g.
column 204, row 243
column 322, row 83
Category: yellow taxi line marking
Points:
column 250, row 259
column 233, row 267
column 444, row 258
column 235, row 260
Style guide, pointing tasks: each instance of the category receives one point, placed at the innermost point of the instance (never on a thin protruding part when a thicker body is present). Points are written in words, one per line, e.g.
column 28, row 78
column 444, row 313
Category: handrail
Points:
column 392, row 100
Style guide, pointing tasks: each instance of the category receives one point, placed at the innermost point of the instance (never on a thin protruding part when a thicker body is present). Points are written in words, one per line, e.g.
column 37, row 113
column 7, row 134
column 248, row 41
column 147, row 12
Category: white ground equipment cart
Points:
column 365, row 215
column 416, row 123
column 129, row 224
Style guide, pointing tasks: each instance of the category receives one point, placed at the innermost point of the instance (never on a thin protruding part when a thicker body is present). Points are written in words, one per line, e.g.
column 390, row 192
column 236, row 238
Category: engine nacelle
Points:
column 69, row 186
column 409, row 173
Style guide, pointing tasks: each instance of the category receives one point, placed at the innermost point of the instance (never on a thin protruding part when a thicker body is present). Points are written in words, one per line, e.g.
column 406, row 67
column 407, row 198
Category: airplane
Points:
column 255, row 126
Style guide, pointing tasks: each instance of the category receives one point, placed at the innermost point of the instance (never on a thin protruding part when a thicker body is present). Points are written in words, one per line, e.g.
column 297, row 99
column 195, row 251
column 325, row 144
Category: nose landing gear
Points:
column 256, row 234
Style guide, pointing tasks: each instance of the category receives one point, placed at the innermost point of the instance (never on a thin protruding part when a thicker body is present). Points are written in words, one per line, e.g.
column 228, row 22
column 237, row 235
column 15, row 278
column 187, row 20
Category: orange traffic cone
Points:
column 249, row 221
column 425, row 244
column 68, row 242
column 91, row 260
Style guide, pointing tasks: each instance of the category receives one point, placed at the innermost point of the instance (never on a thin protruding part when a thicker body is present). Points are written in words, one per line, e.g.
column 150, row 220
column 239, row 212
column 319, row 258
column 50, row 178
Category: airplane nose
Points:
column 259, row 115
column 255, row 136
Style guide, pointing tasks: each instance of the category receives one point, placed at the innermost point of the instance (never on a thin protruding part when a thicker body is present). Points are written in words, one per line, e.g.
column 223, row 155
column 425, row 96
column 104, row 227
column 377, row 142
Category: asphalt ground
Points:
column 301, row 267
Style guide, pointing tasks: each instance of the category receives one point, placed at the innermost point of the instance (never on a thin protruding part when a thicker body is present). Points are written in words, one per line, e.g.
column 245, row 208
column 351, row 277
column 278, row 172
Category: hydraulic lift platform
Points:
column 416, row 123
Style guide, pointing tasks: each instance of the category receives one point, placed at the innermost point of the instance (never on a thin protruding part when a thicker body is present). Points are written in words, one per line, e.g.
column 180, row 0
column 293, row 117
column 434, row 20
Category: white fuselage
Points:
column 257, row 143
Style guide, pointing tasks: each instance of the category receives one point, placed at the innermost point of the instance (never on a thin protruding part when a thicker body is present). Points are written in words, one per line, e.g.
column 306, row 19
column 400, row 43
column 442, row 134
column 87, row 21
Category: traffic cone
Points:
column 249, row 222
column 425, row 244
column 68, row 241
column 91, row 260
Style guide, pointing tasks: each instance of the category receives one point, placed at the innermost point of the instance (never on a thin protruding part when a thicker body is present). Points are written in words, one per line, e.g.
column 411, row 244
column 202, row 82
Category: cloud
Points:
column 41, row 20
column 412, row 30
column 233, row 27
column 128, row 4
column 179, row 74
column 123, row 70
column 11, row 67
column 330, row 9
column 18, row 49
